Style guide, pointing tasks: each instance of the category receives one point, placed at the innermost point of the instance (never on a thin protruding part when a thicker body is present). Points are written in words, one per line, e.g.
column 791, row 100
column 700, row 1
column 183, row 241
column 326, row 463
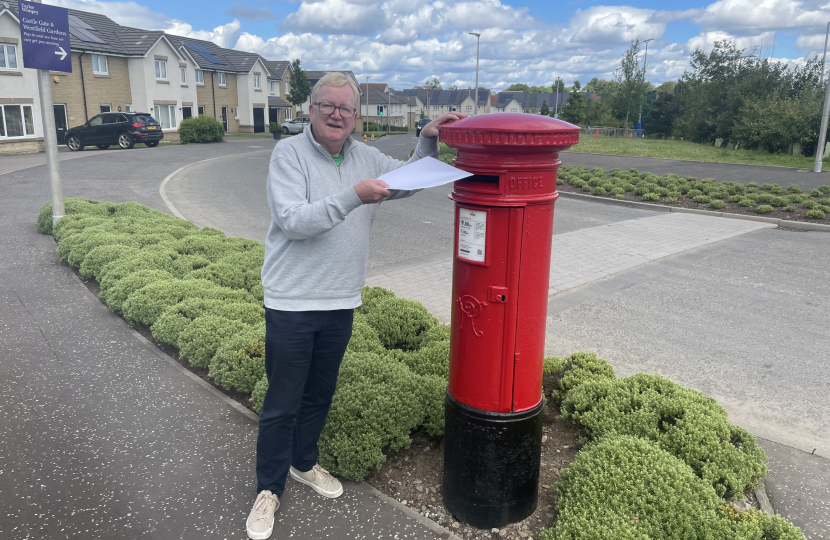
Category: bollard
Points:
column 501, row 270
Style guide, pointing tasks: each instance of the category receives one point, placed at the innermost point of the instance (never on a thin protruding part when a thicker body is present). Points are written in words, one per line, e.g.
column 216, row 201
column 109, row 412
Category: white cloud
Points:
column 226, row 35
column 754, row 16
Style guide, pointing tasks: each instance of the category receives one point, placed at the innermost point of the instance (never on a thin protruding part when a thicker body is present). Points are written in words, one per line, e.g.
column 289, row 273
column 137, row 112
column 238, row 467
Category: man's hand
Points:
column 372, row 191
column 431, row 129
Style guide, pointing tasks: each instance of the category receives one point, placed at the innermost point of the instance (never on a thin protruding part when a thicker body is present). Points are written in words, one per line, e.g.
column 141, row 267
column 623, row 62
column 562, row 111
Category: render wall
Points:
column 112, row 89
column 19, row 87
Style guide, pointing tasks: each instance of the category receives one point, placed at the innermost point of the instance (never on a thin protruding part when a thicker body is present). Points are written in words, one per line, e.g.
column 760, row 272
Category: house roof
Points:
column 376, row 97
column 211, row 56
column 533, row 101
column 448, row 97
column 276, row 101
column 380, row 86
column 412, row 101
column 277, row 68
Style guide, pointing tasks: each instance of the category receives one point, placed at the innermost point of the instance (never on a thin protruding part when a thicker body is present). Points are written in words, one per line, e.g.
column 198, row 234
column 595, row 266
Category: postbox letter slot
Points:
column 490, row 179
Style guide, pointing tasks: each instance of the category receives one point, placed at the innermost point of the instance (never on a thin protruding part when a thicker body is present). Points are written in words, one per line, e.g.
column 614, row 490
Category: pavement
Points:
column 121, row 436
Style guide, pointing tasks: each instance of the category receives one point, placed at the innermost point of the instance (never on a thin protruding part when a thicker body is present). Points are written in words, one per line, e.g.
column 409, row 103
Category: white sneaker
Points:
column 320, row 481
column 260, row 522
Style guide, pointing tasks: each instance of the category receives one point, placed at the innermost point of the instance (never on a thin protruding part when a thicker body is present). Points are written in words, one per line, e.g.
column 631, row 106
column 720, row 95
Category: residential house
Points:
column 21, row 129
column 279, row 86
column 375, row 101
column 438, row 102
column 383, row 87
column 530, row 102
column 414, row 108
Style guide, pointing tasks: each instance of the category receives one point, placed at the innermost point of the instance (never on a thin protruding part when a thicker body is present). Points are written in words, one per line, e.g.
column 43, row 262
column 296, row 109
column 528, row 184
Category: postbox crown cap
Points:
column 510, row 129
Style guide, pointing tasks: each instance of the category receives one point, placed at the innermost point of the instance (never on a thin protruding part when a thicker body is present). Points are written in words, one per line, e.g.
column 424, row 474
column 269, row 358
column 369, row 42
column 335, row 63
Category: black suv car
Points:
column 121, row 128
column 420, row 125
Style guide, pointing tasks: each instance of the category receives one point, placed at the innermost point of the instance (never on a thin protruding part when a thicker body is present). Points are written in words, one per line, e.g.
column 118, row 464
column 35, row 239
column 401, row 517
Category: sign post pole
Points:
column 44, row 33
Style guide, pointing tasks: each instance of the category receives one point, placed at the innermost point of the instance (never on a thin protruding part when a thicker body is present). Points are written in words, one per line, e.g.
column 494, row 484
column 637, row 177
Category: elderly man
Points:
column 323, row 193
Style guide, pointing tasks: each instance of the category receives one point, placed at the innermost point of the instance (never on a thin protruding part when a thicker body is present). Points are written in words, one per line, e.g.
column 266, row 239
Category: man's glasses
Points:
column 328, row 108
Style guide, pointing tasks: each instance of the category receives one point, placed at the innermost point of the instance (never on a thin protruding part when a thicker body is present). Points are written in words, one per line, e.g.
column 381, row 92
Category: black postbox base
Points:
column 491, row 464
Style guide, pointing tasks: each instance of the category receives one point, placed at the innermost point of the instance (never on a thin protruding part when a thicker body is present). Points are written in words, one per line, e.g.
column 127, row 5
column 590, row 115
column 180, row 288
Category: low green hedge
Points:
column 201, row 129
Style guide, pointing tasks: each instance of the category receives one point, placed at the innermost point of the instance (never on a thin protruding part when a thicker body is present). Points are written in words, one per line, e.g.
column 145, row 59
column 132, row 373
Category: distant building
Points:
column 438, row 102
column 530, row 103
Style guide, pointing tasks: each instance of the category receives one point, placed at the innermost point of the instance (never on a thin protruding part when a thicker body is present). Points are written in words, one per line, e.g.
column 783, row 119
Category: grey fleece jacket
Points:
column 317, row 248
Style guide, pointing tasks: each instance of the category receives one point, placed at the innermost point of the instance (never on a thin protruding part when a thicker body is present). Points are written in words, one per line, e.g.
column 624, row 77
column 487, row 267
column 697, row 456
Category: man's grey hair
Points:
column 336, row 79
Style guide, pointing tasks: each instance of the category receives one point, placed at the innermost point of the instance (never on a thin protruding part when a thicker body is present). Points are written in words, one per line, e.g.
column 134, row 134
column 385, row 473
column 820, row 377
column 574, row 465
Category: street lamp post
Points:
column 367, row 102
column 478, row 43
column 556, row 110
column 645, row 66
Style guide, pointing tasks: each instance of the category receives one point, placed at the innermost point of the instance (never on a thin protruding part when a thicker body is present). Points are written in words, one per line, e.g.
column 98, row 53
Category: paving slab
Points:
column 580, row 256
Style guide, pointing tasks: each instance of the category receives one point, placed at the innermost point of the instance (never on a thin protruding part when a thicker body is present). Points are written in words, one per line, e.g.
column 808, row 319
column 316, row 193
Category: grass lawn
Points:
column 654, row 148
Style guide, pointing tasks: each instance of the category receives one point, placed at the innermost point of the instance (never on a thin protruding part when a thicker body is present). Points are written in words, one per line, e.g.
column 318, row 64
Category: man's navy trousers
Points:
column 303, row 351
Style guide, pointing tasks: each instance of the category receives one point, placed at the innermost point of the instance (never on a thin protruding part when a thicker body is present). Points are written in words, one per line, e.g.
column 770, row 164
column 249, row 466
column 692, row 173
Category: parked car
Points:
column 121, row 128
column 292, row 127
column 420, row 125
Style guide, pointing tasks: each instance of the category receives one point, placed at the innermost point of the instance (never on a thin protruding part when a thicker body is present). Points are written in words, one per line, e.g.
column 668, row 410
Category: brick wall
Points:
column 112, row 89
column 21, row 146
column 225, row 95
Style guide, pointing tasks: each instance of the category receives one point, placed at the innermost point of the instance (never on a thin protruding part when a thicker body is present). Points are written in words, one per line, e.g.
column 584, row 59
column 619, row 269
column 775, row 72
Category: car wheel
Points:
column 102, row 146
column 152, row 144
column 286, row 131
column 74, row 143
column 125, row 141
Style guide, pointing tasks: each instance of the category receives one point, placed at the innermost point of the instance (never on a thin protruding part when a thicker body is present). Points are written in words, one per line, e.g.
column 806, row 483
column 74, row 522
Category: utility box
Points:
column 501, row 272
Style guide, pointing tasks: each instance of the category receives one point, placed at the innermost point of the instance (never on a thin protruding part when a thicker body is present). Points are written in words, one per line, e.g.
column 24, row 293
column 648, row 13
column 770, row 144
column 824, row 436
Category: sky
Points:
column 405, row 42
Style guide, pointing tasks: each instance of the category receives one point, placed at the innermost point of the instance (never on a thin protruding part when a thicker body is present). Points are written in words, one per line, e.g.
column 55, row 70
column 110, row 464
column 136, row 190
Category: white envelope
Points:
column 424, row 173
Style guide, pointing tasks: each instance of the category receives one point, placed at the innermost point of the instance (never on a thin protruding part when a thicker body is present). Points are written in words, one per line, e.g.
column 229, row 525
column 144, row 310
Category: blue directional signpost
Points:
column 44, row 42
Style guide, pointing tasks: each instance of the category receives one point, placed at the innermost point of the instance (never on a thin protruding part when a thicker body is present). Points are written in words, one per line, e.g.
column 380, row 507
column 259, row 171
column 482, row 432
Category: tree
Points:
column 574, row 109
column 630, row 83
column 435, row 84
column 518, row 87
column 453, row 87
column 540, row 90
column 577, row 87
column 545, row 110
column 300, row 89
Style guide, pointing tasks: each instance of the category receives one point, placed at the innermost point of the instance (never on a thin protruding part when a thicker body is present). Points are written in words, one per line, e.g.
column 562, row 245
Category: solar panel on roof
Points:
column 203, row 52
column 81, row 30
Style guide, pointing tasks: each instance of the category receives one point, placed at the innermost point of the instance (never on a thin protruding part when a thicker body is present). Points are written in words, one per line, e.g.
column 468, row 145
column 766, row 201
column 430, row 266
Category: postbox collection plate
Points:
column 472, row 235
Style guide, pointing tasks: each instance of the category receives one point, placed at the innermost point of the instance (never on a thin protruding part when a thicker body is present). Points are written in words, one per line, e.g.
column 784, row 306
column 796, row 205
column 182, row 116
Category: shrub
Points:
column 764, row 209
column 681, row 421
column 746, row 202
column 175, row 319
column 765, row 198
column 815, row 213
column 199, row 341
column 735, row 198
column 752, row 185
column 370, row 295
column 116, row 295
column 794, row 189
column 378, row 402
column 651, row 197
column 222, row 274
column 145, row 305
column 595, row 181
column 824, row 190
column 767, row 187
column 717, row 204
column 553, row 364
column 778, row 201
column 788, row 209
column 823, row 208
column 824, row 202
column 149, row 258
column 201, row 129
column 796, row 198
column 364, row 338
column 432, row 359
column 599, row 190
column 670, row 200
column 436, row 333
column 239, row 362
column 258, row 395
column 579, row 368
column 617, row 191
column 399, row 323
column 586, row 187
column 624, row 487
column 702, row 199
column 692, row 193
column 99, row 257
column 619, row 196
column 809, row 204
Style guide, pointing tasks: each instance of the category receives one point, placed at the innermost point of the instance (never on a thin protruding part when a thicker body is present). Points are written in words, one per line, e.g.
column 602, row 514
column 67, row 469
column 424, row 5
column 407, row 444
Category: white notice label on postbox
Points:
column 472, row 234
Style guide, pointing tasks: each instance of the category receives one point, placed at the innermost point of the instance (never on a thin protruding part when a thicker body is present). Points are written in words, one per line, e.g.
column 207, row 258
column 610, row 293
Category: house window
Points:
column 273, row 86
column 166, row 115
column 288, row 114
column 221, row 78
column 161, row 70
column 287, row 89
column 436, row 107
column 201, row 110
column 469, row 109
column 16, row 121
column 187, row 112
column 8, row 57
column 99, row 64
column 128, row 108
column 256, row 82
column 106, row 108
column 512, row 109
column 200, row 76
column 183, row 73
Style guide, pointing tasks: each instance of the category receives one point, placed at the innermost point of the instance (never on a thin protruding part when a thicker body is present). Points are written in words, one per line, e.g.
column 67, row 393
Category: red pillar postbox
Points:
column 501, row 271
